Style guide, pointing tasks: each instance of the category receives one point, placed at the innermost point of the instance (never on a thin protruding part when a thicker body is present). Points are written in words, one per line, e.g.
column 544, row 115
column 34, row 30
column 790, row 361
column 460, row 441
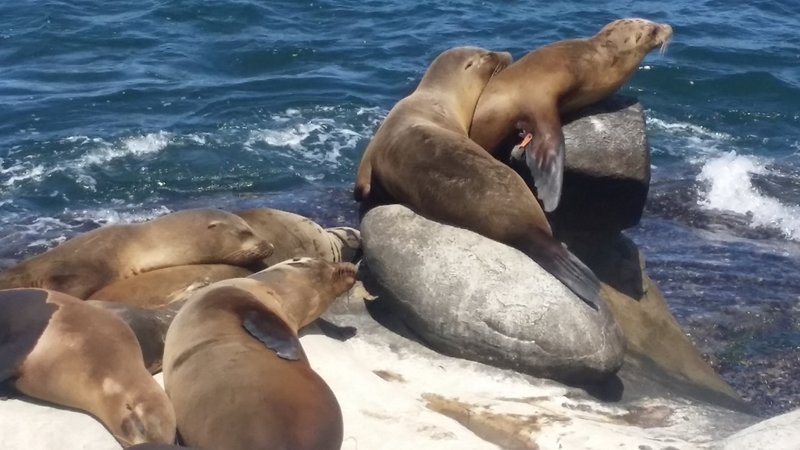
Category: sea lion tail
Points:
column 554, row 257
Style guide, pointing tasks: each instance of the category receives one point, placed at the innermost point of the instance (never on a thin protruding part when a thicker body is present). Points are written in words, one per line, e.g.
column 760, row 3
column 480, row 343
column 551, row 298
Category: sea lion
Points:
column 558, row 79
column 82, row 357
column 422, row 157
column 84, row 264
column 161, row 286
column 296, row 236
column 150, row 326
column 234, row 367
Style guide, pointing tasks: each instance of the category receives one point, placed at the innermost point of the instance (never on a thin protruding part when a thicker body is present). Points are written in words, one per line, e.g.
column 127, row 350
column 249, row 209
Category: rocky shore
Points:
column 470, row 345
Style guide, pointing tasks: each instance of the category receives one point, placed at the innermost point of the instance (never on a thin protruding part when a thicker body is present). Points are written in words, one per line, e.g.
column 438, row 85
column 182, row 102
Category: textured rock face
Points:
column 607, row 167
column 475, row 298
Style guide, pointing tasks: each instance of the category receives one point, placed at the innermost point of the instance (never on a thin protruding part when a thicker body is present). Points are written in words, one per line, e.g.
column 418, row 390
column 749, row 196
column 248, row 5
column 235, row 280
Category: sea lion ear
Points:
column 273, row 332
column 213, row 224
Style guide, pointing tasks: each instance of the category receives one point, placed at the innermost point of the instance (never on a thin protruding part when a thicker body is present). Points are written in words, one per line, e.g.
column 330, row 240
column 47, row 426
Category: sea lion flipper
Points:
column 24, row 314
column 544, row 157
column 567, row 268
column 273, row 332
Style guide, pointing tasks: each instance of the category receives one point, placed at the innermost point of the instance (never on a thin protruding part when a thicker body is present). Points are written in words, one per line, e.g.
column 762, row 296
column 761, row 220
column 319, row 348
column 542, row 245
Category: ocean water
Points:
column 122, row 111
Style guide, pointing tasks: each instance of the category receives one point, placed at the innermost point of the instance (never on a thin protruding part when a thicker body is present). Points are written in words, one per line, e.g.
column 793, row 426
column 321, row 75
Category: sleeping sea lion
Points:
column 234, row 367
column 84, row 264
column 57, row 348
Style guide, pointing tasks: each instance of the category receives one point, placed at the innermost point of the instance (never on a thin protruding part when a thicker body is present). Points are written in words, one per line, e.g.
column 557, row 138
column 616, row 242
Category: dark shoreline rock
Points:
column 606, row 167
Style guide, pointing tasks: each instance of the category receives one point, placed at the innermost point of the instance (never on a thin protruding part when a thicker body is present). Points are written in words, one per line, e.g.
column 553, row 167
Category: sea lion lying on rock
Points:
column 84, row 264
column 234, row 367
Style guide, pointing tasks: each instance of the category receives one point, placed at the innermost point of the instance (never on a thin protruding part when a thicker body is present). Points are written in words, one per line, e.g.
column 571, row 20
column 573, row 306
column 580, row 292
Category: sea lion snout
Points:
column 502, row 60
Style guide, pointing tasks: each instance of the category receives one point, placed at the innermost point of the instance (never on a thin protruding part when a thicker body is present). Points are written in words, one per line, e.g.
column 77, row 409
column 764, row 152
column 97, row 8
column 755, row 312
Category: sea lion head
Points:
column 636, row 36
column 147, row 416
column 233, row 238
column 308, row 285
column 458, row 76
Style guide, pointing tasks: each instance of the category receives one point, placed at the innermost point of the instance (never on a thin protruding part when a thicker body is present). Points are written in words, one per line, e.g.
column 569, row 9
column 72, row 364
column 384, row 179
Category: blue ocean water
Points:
column 125, row 110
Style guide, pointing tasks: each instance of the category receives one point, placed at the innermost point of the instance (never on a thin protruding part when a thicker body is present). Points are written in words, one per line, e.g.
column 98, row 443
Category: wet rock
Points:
column 475, row 298
column 660, row 357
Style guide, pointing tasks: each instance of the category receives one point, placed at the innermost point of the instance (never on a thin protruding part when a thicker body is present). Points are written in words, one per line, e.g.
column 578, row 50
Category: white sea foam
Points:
column 22, row 172
column 138, row 146
column 727, row 180
column 319, row 135
column 90, row 151
column 129, row 214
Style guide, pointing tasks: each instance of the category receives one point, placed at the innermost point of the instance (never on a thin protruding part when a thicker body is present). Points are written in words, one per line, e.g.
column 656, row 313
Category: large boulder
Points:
column 475, row 298
column 607, row 167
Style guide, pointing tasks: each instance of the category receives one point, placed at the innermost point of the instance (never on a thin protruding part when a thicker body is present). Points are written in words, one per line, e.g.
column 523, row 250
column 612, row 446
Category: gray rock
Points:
column 607, row 167
column 778, row 433
column 471, row 297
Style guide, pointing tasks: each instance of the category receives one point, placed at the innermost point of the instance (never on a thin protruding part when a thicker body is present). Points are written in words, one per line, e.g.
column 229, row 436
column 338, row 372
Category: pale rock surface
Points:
column 778, row 433
column 472, row 297
column 397, row 394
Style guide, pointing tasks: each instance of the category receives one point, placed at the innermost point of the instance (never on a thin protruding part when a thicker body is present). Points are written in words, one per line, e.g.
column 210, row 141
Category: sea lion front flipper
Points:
column 273, row 332
column 24, row 314
column 544, row 157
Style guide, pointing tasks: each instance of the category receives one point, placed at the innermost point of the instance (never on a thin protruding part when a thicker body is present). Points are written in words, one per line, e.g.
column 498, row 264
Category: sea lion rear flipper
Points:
column 24, row 314
column 554, row 257
column 273, row 332
column 545, row 159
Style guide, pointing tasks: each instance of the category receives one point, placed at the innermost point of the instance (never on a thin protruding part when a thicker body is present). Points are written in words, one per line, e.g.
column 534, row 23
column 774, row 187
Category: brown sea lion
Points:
column 150, row 326
column 161, row 286
column 84, row 264
column 57, row 348
column 296, row 236
column 558, row 79
column 422, row 157
column 234, row 367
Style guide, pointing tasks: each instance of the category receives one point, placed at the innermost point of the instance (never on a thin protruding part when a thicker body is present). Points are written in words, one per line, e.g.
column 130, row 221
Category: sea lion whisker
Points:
column 664, row 46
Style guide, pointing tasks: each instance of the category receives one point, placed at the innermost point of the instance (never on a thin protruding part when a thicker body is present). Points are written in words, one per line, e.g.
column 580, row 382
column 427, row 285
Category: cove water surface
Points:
column 122, row 111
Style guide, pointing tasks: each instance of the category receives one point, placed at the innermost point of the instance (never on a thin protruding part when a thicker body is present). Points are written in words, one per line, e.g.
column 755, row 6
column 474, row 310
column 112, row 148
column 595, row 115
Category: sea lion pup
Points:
column 90, row 261
column 83, row 358
column 161, row 286
column 236, row 372
column 558, row 79
column 296, row 236
column 422, row 157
